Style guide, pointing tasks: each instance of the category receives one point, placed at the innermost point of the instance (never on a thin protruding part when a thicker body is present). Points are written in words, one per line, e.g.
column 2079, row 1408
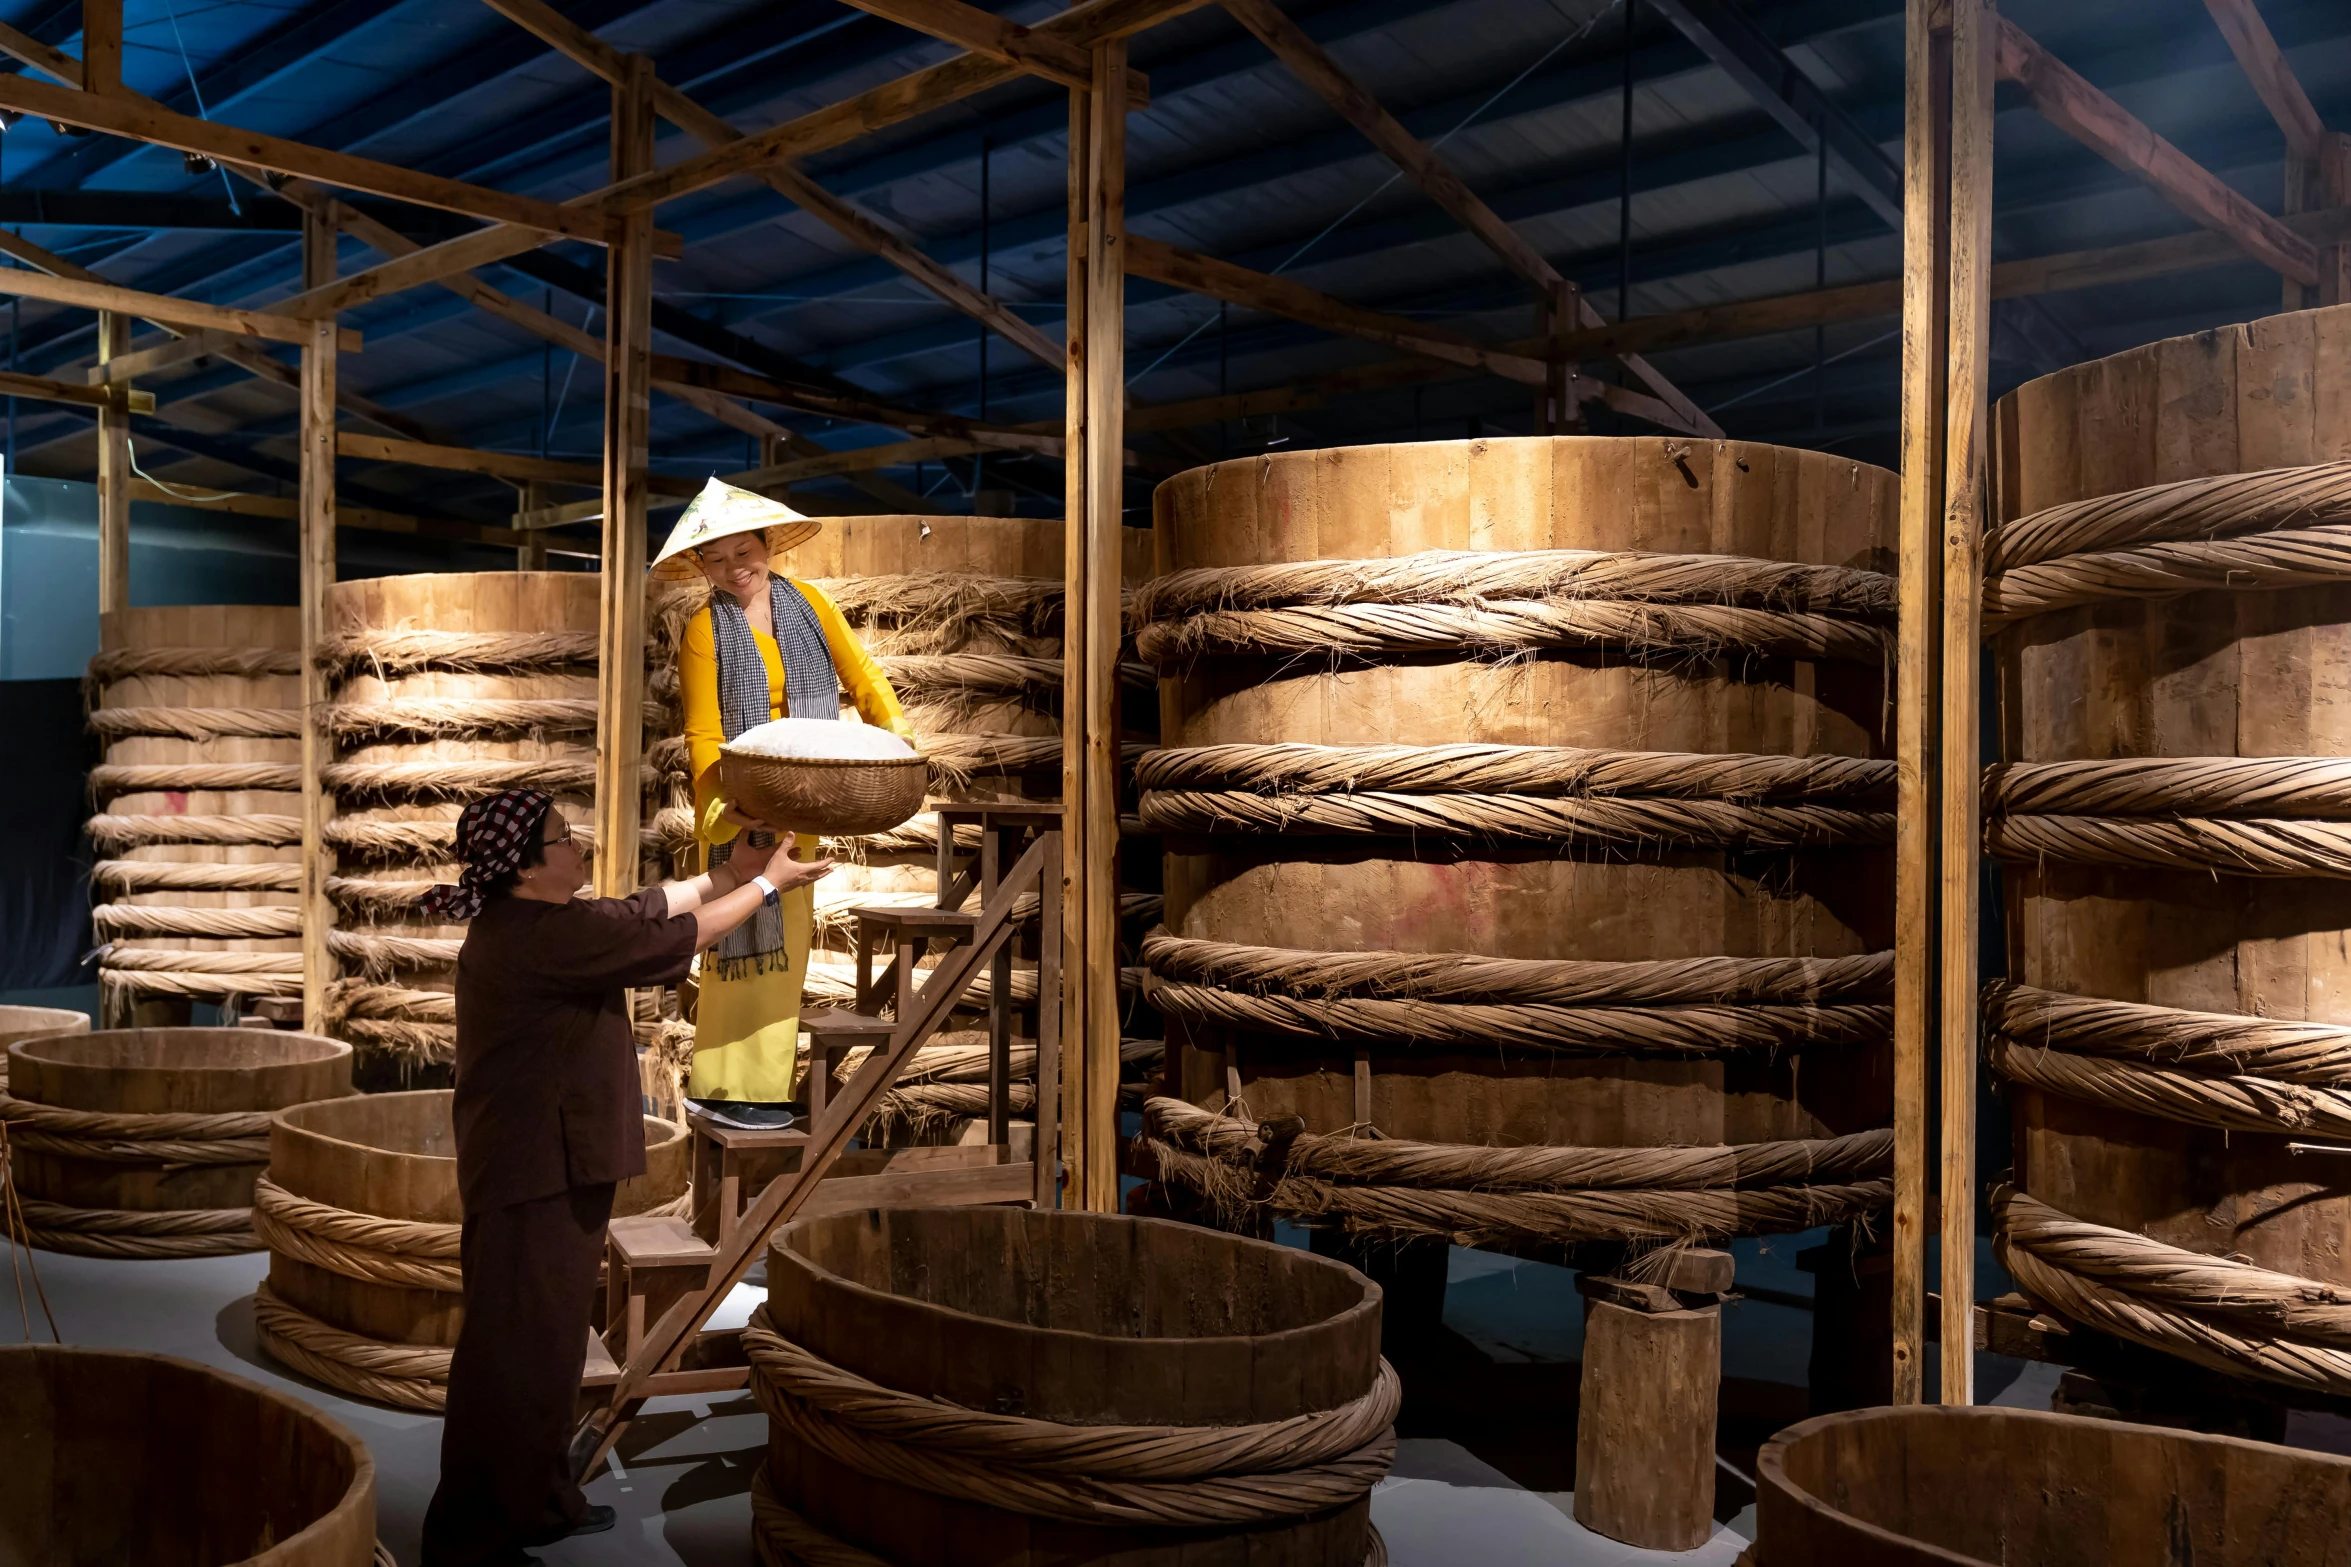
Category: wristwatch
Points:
column 767, row 891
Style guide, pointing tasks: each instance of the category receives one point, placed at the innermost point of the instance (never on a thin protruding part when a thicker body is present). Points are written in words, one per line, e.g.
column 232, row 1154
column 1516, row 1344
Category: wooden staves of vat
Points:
column 145, row 1142
column 446, row 688
column 1527, row 803
column 1936, row 1486
column 109, row 1457
column 1050, row 1337
column 2168, row 597
column 361, row 1215
column 199, row 799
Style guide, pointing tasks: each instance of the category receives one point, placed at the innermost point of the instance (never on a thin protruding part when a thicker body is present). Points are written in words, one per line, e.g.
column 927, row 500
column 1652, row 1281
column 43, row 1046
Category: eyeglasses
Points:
column 563, row 837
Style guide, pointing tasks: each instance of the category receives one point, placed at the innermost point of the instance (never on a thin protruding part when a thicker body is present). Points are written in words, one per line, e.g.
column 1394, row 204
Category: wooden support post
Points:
column 531, row 554
column 1645, row 1418
column 1966, row 497
column 1918, row 714
column 1095, row 433
column 114, row 475
column 628, row 373
column 316, row 547
column 102, row 46
column 1556, row 313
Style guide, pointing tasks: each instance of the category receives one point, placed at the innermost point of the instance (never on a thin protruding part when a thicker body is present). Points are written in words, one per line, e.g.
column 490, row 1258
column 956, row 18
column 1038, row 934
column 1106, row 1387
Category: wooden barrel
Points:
column 199, row 824
column 1080, row 1320
column 1575, row 841
column 361, row 1213
column 1941, row 1486
column 448, row 687
column 145, row 1142
column 110, row 1456
column 26, row 1022
column 2170, row 807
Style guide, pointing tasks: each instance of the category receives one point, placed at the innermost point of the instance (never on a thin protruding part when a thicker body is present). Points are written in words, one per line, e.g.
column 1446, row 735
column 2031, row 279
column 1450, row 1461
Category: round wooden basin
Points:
column 1080, row 1318
column 1992, row 1487
column 109, row 1457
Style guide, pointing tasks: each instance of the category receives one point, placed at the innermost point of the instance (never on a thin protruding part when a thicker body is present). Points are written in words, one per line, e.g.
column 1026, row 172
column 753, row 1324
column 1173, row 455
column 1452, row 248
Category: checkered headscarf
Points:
column 491, row 838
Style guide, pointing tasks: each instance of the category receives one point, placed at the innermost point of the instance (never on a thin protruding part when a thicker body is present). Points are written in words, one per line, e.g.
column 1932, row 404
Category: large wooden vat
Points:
column 109, row 1457
column 2178, row 1005
column 1679, row 856
column 361, row 1214
column 145, row 1142
column 1070, row 1323
column 27, row 1022
column 199, row 824
column 448, row 687
column 1937, row 1486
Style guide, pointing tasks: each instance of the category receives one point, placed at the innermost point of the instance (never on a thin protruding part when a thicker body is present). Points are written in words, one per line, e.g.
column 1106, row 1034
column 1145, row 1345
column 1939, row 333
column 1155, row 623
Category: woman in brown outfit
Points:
column 549, row 1120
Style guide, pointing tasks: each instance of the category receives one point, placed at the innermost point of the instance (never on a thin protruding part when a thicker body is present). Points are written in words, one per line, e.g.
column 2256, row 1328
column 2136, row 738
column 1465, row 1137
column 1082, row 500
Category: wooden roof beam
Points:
column 1313, row 65
column 2070, row 103
column 1185, row 269
column 984, row 32
column 42, row 389
column 159, row 307
column 142, row 119
column 851, row 222
column 495, row 465
column 2249, row 37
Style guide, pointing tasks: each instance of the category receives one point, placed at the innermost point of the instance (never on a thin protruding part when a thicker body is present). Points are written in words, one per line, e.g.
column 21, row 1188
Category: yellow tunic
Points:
column 747, row 1031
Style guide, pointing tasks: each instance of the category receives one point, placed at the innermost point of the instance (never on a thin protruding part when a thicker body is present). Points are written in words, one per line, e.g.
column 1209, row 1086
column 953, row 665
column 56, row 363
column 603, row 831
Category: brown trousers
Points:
column 514, row 1381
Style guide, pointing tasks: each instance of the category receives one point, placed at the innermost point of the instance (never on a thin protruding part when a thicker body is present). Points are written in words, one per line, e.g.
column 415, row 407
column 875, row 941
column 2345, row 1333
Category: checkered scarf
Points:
column 492, row 837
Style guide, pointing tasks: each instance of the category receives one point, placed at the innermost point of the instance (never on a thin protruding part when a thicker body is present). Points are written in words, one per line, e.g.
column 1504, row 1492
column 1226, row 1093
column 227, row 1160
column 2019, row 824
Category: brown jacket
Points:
column 547, row 1088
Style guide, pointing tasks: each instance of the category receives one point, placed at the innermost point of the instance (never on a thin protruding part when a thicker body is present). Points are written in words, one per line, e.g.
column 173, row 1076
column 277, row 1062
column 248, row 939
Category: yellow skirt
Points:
column 747, row 1031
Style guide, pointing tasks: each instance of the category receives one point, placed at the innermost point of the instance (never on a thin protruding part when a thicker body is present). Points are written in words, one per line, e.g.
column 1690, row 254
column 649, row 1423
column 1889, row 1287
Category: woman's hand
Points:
column 787, row 870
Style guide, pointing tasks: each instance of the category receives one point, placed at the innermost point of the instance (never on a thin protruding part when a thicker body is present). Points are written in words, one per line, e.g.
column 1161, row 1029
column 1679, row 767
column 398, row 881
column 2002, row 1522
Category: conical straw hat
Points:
column 720, row 511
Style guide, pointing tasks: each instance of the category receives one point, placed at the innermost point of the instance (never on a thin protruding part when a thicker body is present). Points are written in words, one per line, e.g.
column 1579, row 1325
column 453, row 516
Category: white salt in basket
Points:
column 826, row 777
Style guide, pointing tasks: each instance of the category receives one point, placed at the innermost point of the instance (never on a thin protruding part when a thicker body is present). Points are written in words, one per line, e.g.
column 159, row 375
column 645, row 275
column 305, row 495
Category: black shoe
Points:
column 745, row 1116
column 594, row 1520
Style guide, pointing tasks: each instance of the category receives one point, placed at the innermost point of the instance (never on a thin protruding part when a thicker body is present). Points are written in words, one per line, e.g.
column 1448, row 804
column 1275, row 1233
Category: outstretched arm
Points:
column 724, row 898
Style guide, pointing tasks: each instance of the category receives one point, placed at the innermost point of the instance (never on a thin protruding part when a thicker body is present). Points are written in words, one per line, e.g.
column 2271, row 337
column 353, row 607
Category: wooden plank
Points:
column 42, row 389
column 1918, row 713
column 1091, row 662
column 205, row 344
column 1077, row 431
column 1186, row 269
column 984, row 32
column 2069, row 102
column 102, row 46
column 844, row 217
column 628, row 428
column 142, row 119
column 40, row 56
column 157, row 307
column 1965, row 505
column 114, row 469
column 2272, row 78
column 288, row 508
column 936, row 1188
column 315, row 549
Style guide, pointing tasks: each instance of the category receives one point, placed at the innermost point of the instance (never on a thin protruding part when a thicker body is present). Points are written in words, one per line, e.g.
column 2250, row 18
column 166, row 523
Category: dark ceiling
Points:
column 1232, row 158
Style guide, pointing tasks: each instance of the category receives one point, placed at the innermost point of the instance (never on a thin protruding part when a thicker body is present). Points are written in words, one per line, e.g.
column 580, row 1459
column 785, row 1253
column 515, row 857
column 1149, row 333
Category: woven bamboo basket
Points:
column 833, row 797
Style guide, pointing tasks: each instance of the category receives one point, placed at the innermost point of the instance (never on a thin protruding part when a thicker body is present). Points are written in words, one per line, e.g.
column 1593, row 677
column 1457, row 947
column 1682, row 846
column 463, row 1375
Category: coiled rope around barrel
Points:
column 1104, row 1475
column 1402, row 1000
column 411, row 1376
column 1473, row 1195
column 124, row 1137
column 2219, row 1312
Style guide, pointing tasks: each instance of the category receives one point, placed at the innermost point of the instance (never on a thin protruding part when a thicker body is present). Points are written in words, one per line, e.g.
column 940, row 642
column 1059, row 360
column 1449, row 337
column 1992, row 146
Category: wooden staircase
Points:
column 665, row 1276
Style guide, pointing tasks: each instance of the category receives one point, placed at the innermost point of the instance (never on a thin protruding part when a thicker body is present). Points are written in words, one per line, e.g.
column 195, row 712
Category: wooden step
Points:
column 949, row 924
column 736, row 1138
column 644, row 1241
column 839, row 1025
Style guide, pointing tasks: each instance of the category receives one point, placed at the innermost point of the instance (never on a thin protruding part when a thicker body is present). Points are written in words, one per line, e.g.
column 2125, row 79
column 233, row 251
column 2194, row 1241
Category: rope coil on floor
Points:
column 1473, row 1195
column 1106, row 1475
column 2228, row 1315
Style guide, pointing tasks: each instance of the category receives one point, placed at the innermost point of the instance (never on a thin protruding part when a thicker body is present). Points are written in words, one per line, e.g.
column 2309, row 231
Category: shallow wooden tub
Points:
column 1079, row 1319
column 181, row 1131
column 361, row 1213
column 109, row 1457
column 30, row 1022
column 1913, row 1486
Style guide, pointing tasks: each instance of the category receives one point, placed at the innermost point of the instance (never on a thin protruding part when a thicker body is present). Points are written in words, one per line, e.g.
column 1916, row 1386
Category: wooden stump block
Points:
column 1645, row 1429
